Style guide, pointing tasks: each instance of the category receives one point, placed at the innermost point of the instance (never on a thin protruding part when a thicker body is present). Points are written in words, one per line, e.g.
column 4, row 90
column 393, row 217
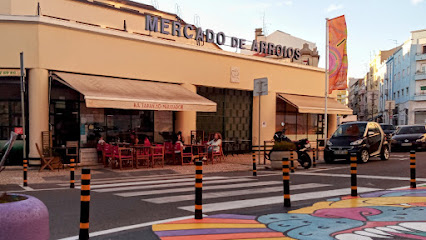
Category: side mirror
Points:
column 370, row 133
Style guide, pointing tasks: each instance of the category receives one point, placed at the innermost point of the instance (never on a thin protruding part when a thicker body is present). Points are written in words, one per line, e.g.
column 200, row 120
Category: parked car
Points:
column 366, row 139
column 409, row 137
column 388, row 129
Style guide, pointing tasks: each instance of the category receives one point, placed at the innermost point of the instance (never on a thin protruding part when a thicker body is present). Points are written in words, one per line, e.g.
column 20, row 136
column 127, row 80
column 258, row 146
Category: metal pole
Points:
column 259, row 123
column 286, row 182
column 23, row 105
column 326, row 84
column 198, row 214
column 84, row 204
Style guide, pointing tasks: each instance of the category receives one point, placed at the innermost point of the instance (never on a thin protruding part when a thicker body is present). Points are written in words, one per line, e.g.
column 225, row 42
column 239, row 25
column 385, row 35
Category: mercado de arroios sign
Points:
column 175, row 28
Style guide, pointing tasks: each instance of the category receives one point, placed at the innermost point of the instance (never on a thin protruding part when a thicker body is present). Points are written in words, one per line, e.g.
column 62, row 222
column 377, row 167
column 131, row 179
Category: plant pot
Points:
column 276, row 158
column 25, row 219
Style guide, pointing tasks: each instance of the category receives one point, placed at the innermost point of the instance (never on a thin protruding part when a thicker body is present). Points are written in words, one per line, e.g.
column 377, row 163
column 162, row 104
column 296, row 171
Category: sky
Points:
column 373, row 25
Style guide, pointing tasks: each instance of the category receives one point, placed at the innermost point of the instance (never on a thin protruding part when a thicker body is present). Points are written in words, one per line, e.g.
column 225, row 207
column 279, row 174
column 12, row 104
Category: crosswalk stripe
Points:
column 179, row 184
column 254, row 202
column 152, row 182
column 127, row 179
column 211, row 195
column 206, row 187
column 358, row 176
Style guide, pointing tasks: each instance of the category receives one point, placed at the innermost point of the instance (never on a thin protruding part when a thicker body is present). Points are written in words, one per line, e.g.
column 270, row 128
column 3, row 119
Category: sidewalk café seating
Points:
column 107, row 154
column 142, row 156
column 46, row 161
column 157, row 155
column 203, row 154
column 218, row 155
column 122, row 157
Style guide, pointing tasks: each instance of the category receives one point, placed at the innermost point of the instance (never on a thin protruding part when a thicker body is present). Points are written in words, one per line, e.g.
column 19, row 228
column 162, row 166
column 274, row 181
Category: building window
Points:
column 408, row 71
column 398, row 93
column 399, row 76
column 402, row 92
column 393, row 95
column 403, row 72
column 406, row 89
column 10, row 117
column 424, row 49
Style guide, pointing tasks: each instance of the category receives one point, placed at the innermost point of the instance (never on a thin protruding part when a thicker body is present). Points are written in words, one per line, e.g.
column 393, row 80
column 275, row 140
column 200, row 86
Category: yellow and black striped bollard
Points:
column 314, row 158
column 254, row 164
column 72, row 169
column 412, row 169
column 25, row 165
column 354, row 188
column 199, row 190
column 85, row 204
column 286, row 182
column 292, row 161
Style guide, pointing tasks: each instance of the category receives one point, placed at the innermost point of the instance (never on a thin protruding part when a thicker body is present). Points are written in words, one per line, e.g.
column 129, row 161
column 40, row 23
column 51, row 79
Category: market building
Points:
column 115, row 67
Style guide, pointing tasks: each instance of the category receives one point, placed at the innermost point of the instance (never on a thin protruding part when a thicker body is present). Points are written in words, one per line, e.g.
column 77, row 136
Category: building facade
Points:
column 308, row 50
column 116, row 69
column 408, row 78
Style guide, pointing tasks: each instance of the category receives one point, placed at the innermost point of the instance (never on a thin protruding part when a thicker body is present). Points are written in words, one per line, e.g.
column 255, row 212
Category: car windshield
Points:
column 411, row 130
column 387, row 127
column 350, row 130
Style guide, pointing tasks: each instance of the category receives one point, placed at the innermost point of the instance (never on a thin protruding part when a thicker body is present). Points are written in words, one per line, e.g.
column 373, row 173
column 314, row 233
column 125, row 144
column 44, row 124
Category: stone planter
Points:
column 25, row 219
column 276, row 158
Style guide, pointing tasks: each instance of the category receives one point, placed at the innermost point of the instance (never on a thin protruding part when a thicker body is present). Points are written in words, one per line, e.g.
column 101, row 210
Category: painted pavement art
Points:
column 396, row 214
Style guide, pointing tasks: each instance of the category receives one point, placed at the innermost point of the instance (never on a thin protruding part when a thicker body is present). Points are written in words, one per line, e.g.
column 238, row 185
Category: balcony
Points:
column 420, row 96
column 420, row 76
column 420, row 56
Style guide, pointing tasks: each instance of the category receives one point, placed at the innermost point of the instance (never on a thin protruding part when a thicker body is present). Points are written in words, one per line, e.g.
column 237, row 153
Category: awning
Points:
column 108, row 92
column 313, row 104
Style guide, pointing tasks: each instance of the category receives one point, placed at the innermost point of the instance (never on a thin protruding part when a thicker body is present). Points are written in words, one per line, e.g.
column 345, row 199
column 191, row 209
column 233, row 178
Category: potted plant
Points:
column 21, row 216
column 279, row 151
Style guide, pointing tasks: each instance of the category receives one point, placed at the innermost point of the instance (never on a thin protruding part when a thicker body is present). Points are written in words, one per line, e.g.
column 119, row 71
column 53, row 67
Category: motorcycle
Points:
column 302, row 147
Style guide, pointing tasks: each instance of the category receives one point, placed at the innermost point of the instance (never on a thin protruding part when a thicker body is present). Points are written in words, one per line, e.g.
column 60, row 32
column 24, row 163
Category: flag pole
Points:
column 326, row 83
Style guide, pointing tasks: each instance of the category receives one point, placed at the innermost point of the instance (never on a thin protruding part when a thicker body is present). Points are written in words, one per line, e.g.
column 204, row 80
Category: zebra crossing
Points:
column 245, row 191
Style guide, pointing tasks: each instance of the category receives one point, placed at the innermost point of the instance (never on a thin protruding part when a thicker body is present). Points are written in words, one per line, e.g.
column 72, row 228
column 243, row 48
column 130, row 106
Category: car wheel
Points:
column 385, row 153
column 365, row 156
column 328, row 160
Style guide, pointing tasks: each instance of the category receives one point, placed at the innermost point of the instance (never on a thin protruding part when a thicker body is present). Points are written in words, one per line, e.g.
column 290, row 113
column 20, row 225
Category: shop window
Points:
column 10, row 117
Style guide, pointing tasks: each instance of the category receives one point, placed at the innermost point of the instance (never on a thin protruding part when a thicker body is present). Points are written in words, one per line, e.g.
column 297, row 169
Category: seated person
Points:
column 214, row 145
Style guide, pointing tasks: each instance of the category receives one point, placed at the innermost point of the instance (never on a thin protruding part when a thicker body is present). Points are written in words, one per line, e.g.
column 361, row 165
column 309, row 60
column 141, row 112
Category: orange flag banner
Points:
column 337, row 57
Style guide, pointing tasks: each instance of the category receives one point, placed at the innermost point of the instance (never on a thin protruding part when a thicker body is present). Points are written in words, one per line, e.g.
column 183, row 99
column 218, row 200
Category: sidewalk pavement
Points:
column 389, row 214
column 14, row 174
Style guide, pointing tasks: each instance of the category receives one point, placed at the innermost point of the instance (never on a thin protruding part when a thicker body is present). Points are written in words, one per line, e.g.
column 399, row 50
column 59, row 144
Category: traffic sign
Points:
column 260, row 87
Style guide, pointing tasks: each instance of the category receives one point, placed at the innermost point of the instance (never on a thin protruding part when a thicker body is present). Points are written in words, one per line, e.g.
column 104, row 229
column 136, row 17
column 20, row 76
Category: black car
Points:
column 366, row 139
column 409, row 137
column 388, row 129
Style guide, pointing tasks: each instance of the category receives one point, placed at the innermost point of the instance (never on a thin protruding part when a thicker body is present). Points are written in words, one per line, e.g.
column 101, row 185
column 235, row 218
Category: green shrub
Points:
column 283, row 146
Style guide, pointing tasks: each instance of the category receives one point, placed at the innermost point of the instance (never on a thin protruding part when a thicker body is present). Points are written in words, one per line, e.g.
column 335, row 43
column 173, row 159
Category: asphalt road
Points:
column 125, row 207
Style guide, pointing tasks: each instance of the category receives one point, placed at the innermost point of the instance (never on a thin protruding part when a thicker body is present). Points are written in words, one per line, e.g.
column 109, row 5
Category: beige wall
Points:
column 38, row 107
column 186, row 121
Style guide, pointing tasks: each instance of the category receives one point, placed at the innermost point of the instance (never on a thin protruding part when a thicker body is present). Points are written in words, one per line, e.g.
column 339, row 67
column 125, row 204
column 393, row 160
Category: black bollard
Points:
column 72, row 169
column 254, row 164
column 354, row 188
column 84, row 204
column 286, row 182
column 412, row 169
column 25, row 165
column 199, row 190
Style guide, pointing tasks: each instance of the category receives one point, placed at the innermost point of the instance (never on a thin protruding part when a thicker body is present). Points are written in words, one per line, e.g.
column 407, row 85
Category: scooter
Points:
column 302, row 147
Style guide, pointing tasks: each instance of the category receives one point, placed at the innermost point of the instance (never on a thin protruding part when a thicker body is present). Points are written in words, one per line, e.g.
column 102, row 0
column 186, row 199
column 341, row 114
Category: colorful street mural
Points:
column 397, row 214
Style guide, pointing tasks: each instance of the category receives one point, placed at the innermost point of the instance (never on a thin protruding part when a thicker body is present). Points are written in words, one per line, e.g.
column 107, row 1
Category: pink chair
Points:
column 107, row 154
column 168, row 150
column 142, row 156
column 122, row 157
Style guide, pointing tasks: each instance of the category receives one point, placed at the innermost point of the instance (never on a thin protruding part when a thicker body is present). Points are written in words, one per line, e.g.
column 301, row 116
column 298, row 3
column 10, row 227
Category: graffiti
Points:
column 397, row 214
column 381, row 215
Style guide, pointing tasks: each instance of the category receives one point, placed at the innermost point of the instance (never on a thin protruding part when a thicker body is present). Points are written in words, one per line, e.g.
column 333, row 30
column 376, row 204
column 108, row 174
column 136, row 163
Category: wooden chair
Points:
column 187, row 155
column 157, row 155
column 142, row 156
column 122, row 157
column 107, row 154
column 46, row 161
column 219, row 155
column 169, row 151
column 203, row 153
